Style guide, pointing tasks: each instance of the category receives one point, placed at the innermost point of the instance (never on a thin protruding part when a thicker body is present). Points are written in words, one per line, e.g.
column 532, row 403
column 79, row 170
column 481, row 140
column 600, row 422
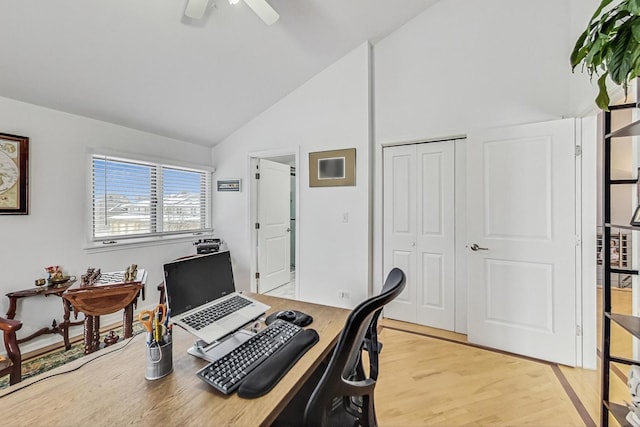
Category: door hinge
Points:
column 257, row 275
column 578, row 150
column 257, row 175
column 578, row 240
column 257, row 225
column 578, row 330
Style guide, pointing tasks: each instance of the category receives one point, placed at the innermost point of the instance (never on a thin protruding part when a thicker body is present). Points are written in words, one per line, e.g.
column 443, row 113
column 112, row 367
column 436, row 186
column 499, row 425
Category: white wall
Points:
column 54, row 230
column 466, row 64
column 328, row 112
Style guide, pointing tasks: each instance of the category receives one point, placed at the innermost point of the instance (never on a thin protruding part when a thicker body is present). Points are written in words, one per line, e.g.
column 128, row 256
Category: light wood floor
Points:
column 444, row 381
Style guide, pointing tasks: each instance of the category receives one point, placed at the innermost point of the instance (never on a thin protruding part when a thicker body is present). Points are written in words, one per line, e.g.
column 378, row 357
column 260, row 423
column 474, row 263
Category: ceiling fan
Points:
column 195, row 9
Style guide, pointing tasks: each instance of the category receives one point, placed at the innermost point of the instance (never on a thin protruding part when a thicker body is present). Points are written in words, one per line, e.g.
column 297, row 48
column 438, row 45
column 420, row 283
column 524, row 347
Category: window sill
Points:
column 96, row 247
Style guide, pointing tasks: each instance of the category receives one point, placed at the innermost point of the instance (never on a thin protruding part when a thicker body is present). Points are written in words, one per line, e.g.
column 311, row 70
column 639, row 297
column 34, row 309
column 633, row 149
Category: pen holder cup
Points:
column 159, row 361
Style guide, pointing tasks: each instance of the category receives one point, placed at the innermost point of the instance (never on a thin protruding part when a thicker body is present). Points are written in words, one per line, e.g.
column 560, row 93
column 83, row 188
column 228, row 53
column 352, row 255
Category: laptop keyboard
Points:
column 215, row 312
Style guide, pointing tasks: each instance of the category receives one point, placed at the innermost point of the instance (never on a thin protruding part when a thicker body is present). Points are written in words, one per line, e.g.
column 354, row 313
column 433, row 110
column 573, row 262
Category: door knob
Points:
column 475, row 247
column 288, row 229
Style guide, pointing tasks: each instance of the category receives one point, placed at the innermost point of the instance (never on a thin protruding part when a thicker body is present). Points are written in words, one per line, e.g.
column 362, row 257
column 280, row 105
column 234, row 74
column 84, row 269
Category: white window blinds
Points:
column 132, row 199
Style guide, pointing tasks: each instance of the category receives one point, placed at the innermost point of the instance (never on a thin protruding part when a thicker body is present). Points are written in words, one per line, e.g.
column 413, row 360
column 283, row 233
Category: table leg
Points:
column 96, row 333
column 127, row 321
column 12, row 307
column 64, row 326
column 88, row 334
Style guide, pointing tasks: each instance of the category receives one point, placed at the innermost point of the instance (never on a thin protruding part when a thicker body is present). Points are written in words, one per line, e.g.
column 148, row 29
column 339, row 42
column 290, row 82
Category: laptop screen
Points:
column 192, row 282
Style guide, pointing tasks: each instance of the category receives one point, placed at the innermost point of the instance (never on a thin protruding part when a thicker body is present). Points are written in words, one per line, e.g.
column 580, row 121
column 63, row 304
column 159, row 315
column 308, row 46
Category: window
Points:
column 133, row 199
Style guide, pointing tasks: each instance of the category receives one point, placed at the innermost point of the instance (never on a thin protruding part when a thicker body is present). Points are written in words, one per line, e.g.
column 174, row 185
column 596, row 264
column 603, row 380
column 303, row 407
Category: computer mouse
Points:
column 287, row 315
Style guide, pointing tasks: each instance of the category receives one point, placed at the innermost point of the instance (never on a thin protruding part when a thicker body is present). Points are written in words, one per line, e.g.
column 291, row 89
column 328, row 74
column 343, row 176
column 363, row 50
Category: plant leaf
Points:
column 634, row 7
column 604, row 4
column 635, row 30
column 636, row 64
column 579, row 52
column 594, row 57
column 602, row 100
column 621, row 63
column 610, row 20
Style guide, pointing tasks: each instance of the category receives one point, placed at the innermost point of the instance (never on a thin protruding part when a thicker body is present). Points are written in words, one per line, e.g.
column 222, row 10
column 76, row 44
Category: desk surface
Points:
column 112, row 390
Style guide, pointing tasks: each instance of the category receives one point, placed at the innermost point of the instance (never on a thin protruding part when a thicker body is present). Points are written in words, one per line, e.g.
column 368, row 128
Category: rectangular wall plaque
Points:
column 228, row 185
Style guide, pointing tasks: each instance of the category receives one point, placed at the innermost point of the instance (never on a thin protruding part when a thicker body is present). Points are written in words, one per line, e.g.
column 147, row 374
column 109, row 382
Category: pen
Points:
column 158, row 327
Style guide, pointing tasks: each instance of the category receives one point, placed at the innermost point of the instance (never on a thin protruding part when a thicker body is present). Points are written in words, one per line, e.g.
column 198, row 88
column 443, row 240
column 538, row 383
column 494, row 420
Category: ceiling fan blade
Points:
column 263, row 10
column 196, row 8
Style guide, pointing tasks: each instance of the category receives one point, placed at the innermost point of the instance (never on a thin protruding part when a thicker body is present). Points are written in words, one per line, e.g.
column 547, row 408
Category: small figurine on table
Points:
column 90, row 277
column 56, row 276
column 130, row 273
column 55, row 273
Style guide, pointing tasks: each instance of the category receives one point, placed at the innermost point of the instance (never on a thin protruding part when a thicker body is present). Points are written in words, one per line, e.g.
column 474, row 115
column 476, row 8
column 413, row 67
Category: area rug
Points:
column 37, row 365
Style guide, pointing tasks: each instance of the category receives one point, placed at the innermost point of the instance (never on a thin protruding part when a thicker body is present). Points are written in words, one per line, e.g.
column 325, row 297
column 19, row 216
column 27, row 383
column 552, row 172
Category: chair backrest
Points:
column 344, row 396
column 14, row 369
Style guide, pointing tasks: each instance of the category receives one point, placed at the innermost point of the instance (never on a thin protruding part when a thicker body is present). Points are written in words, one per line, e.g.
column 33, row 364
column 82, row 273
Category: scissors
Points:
column 152, row 320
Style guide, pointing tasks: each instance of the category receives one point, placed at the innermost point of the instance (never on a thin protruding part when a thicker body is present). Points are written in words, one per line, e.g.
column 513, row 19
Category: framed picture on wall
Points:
column 14, row 174
column 332, row 168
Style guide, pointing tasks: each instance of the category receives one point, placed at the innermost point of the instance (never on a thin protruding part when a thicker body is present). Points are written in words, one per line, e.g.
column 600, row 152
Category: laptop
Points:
column 202, row 298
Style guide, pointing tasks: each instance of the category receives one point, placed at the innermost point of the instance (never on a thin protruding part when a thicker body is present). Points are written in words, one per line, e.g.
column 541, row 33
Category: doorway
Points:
column 273, row 207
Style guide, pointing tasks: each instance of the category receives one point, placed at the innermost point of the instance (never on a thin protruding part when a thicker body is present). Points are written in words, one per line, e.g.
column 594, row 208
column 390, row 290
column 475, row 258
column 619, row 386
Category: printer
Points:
column 207, row 246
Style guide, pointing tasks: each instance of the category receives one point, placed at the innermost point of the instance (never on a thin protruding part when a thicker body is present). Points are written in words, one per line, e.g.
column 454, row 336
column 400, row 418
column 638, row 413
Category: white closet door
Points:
column 419, row 231
column 435, row 249
column 400, row 226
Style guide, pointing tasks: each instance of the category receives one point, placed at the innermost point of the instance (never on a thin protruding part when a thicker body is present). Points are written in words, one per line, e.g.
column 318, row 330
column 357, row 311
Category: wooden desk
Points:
column 112, row 390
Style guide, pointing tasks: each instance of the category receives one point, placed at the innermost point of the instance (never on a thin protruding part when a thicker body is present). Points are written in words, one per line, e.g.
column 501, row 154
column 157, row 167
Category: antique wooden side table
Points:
column 61, row 328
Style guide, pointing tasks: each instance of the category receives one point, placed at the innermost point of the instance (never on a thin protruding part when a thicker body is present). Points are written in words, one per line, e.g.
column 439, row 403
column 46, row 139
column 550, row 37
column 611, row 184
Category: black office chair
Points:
column 344, row 395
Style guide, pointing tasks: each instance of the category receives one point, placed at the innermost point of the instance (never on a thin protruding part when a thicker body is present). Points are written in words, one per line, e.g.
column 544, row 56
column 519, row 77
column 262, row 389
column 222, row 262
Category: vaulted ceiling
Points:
column 144, row 65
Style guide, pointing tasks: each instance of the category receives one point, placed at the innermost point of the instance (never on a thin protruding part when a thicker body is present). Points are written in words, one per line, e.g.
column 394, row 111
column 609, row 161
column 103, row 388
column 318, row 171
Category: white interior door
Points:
column 399, row 229
column 435, row 235
column 419, row 231
column 521, row 223
column 273, row 188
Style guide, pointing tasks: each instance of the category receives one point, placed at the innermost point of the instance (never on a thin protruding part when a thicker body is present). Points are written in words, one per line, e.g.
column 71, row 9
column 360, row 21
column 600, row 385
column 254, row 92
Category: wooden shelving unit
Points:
column 614, row 265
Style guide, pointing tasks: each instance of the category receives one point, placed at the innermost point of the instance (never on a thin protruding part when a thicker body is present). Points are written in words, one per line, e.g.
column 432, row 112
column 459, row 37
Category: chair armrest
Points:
column 9, row 325
column 356, row 388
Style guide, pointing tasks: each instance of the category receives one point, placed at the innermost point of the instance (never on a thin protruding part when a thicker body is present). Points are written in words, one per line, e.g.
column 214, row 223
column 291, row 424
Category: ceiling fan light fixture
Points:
column 233, row 1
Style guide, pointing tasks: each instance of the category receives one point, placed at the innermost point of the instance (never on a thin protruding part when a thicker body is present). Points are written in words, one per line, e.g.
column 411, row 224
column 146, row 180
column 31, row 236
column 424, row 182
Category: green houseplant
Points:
column 610, row 46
